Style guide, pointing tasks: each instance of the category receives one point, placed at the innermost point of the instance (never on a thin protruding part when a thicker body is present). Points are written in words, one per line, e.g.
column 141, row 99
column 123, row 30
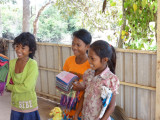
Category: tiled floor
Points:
column 44, row 107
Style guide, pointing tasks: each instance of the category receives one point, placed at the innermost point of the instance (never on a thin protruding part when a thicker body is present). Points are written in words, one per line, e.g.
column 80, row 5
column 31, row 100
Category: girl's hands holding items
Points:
column 77, row 86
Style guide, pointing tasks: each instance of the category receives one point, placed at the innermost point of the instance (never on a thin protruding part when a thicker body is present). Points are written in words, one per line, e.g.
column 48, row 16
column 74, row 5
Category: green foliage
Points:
column 139, row 14
column 52, row 25
column 66, row 16
column 11, row 19
column 90, row 14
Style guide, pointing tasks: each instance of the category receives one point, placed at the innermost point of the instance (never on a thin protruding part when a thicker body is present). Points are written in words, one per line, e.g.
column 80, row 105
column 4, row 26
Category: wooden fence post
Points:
column 158, row 65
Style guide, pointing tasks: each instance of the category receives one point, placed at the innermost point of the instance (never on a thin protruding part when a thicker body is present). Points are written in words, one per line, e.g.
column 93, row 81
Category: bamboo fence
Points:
column 135, row 69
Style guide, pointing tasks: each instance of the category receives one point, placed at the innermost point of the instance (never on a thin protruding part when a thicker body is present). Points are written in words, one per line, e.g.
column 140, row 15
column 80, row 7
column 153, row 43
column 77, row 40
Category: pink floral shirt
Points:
column 92, row 104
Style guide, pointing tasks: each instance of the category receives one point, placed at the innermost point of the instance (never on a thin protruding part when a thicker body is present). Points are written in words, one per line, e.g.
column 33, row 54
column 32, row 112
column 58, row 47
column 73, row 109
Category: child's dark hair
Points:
column 104, row 49
column 3, row 46
column 26, row 39
column 84, row 35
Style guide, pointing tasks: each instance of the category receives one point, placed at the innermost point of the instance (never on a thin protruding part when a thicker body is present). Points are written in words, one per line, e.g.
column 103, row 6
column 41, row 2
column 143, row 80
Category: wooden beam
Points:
column 135, row 51
column 137, row 86
column 157, row 112
column 59, row 58
column 49, row 69
column 48, row 95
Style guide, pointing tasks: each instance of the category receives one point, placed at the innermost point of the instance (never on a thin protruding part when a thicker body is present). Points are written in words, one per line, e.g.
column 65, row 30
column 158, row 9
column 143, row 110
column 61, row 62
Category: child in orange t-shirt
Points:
column 78, row 63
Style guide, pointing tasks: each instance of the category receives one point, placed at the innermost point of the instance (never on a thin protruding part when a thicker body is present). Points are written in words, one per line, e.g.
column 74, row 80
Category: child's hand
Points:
column 75, row 117
column 77, row 86
column 7, row 90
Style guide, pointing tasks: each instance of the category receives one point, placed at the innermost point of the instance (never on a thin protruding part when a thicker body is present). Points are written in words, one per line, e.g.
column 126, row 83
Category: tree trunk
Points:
column 37, row 17
column 120, row 42
column 26, row 15
column 0, row 23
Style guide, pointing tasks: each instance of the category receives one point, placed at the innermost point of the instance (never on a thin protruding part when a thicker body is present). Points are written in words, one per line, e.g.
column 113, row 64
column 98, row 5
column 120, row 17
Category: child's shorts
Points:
column 24, row 116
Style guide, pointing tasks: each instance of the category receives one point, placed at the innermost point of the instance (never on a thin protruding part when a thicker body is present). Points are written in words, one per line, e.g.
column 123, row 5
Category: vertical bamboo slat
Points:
column 144, row 104
column 49, row 57
column 153, row 69
column 42, row 56
column 153, row 106
column 37, row 56
column 59, row 65
column 51, row 83
column 56, row 51
column 43, row 63
column 60, row 58
column 158, row 65
column 50, row 75
column 130, row 92
column 134, row 107
column 120, row 75
column 153, row 84
column 56, row 57
column 38, row 85
column 143, row 78
column 65, row 54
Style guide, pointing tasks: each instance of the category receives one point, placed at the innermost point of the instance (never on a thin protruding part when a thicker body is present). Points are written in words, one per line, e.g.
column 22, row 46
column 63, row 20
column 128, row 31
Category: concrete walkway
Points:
column 5, row 108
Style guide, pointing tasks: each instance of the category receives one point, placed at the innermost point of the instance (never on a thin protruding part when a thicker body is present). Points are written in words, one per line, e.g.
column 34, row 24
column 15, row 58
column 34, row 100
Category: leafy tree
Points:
column 11, row 19
column 90, row 15
column 51, row 24
column 1, row 3
column 37, row 17
column 139, row 29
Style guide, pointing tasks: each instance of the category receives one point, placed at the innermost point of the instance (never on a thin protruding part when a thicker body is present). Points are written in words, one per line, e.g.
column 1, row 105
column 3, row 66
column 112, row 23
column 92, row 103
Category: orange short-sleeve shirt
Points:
column 77, row 69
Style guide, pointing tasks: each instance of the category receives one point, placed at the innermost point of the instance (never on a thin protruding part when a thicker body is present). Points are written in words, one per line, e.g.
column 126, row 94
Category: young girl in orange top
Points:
column 78, row 63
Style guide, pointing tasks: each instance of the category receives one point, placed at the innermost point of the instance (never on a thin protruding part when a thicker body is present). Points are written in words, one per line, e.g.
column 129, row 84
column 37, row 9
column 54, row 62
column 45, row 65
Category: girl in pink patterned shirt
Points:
column 102, row 59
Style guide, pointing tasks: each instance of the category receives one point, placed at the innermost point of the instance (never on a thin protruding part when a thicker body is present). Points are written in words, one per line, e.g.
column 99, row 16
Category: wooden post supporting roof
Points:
column 158, row 65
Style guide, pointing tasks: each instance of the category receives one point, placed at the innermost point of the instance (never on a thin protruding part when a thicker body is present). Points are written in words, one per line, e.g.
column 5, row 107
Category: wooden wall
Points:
column 135, row 69
column 137, row 73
